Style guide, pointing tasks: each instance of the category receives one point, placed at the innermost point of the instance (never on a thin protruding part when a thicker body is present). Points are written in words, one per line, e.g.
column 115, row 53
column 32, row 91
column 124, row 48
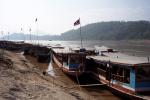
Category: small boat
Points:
column 69, row 61
column 125, row 75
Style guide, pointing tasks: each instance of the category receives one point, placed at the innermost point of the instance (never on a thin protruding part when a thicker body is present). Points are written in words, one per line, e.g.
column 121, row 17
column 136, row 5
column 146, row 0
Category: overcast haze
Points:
column 58, row 16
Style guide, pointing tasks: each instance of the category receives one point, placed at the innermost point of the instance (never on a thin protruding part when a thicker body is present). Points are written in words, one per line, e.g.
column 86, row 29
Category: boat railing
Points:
column 102, row 72
column 118, row 77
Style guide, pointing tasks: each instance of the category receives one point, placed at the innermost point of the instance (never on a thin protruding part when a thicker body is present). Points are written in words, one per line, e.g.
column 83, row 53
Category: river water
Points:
column 137, row 48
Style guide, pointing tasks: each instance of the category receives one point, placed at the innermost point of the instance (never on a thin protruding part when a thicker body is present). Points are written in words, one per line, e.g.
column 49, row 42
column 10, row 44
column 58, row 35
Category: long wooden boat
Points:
column 126, row 75
column 69, row 61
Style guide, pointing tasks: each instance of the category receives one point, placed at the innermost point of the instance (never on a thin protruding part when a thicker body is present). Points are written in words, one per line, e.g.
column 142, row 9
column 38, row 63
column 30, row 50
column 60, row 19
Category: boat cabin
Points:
column 69, row 59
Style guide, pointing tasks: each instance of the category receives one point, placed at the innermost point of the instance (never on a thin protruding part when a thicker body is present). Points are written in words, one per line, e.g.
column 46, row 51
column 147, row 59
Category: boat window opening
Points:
column 143, row 74
column 102, row 66
column 102, row 71
column 117, row 73
column 117, row 70
column 99, row 69
column 76, row 59
column 126, row 75
column 95, row 68
column 65, row 59
column 59, row 57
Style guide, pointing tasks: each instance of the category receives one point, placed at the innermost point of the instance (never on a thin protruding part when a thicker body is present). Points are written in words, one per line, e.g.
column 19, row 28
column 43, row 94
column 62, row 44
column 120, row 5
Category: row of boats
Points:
column 127, row 75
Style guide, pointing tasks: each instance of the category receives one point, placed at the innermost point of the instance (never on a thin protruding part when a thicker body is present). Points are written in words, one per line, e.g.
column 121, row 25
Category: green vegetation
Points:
column 114, row 30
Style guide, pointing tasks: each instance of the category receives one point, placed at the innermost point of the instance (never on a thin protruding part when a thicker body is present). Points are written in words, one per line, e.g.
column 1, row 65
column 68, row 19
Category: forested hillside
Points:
column 114, row 30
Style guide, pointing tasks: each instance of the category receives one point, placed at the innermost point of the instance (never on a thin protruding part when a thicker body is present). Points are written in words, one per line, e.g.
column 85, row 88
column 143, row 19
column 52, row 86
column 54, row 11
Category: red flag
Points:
column 77, row 22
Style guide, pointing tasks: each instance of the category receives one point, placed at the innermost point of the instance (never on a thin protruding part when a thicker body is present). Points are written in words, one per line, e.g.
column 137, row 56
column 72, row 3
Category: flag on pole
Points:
column 77, row 22
column 36, row 20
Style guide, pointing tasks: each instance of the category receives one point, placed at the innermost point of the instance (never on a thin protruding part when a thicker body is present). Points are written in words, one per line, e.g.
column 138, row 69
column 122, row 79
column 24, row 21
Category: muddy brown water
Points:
column 98, row 92
column 131, row 47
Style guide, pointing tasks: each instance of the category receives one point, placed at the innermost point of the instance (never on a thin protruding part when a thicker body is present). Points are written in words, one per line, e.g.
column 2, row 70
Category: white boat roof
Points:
column 101, row 48
column 63, row 50
column 78, row 48
column 67, row 49
column 121, row 58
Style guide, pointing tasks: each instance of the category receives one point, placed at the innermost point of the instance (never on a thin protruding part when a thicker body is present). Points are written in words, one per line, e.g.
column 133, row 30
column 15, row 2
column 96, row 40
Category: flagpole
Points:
column 22, row 32
column 36, row 20
column 81, row 36
column 8, row 36
column 30, row 35
column 37, row 33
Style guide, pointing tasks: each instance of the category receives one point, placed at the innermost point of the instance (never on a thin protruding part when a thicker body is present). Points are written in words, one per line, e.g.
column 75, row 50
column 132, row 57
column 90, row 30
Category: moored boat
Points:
column 127, row 75
column 70, row 61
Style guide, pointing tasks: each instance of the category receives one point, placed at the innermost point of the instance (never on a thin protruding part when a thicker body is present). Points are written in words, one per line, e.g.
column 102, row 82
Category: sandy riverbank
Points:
column 21, row 80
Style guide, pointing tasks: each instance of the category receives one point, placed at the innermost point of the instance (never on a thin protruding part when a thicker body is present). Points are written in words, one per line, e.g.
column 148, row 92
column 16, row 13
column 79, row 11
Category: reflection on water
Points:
column 50, row 70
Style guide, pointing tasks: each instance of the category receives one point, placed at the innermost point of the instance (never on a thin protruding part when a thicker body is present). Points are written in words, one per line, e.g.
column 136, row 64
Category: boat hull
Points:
column 118, row 90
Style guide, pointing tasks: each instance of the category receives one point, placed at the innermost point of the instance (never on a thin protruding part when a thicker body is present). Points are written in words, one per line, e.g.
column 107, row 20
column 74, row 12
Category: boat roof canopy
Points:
column 103, row 49
column 65, row 50
column 62, row 50
column 119, row 58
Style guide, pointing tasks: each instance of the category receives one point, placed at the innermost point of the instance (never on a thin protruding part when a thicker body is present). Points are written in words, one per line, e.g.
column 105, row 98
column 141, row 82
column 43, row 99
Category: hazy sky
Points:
column 58, row 16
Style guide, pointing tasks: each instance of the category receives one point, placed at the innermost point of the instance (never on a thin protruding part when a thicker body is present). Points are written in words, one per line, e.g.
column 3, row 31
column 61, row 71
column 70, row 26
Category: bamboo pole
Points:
column 81, row 35
column 30, row 35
